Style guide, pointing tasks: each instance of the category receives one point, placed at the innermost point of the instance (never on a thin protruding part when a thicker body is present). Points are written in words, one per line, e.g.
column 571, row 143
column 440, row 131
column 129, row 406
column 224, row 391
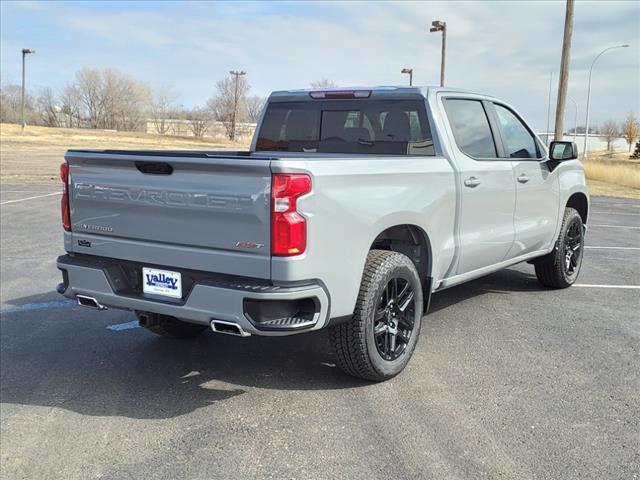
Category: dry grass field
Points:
column 34, row 157
column 613, row 174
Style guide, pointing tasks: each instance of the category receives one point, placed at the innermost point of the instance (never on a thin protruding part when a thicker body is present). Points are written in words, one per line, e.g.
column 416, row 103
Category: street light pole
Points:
column 237, row 75
column 438, row 26
column 586, row 127
column 410, row 72
column 25, row 52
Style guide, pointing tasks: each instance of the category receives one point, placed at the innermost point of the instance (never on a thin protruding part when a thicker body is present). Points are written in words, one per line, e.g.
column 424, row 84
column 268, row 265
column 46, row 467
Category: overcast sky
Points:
column 506, row 49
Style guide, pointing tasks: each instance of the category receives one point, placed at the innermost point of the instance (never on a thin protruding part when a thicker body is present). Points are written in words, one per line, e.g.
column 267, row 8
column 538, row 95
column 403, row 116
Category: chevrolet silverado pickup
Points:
column 350, row 209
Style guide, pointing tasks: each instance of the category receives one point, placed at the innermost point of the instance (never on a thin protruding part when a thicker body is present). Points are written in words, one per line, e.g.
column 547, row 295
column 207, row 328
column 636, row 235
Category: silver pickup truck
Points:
column 351, row 207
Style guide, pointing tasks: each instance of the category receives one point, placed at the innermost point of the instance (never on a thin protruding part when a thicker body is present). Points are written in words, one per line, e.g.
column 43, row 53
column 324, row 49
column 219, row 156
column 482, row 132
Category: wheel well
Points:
column 412, row 241
column 579, row 202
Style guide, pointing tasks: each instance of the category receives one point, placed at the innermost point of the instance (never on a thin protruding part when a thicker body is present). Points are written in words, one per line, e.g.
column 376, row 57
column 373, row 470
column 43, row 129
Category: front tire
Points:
column 377, row 343
column 560, row 268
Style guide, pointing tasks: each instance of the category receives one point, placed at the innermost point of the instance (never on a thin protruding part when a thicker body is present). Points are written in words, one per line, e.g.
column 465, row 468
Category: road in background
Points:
column 508, row 380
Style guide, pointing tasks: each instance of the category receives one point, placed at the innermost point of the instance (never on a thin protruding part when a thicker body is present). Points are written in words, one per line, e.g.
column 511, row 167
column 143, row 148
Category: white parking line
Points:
column 615, row 213
column 587, row 285
column 30, row 198
column 21, row 191
column 613, row 248
column 614, row 226
column 617, row 204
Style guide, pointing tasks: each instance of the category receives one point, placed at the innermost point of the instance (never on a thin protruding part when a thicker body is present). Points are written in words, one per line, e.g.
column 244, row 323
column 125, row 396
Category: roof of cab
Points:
column 379, row 92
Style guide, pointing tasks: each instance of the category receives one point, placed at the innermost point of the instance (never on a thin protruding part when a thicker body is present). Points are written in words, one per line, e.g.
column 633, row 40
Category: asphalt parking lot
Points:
column 508, row 381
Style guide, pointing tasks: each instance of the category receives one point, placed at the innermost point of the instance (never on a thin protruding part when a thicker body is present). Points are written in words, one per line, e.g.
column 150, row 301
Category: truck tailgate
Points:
column 189, row 210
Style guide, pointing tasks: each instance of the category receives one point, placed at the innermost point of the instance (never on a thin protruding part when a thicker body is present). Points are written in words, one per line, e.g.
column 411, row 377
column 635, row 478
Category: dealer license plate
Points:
column 162, row 282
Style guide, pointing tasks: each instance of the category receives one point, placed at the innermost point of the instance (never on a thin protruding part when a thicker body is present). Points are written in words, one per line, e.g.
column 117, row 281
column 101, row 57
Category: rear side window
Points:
column 518, row 140
column 471, row 127
column 391, row 127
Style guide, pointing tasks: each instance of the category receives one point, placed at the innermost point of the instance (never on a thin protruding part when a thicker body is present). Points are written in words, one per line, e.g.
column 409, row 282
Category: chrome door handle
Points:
column 471, row 182
column 523, row 178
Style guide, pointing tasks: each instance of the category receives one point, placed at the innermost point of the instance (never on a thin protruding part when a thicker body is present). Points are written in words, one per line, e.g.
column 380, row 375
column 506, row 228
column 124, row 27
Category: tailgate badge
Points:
column 249, row 245
column 96, row 228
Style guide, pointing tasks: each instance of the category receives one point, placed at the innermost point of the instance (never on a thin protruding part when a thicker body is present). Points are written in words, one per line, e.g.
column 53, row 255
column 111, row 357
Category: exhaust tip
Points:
column 91, row 302
column 229, row 328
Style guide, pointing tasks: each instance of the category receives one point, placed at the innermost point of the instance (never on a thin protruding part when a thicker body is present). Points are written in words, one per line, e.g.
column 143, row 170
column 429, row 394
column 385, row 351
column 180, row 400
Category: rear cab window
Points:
column 471, row 127
column 353, row 126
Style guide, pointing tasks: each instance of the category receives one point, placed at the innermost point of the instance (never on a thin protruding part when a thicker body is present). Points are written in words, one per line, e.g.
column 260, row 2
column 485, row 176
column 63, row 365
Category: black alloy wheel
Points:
column 573, row 248
column 561, row 267
column 393, row 323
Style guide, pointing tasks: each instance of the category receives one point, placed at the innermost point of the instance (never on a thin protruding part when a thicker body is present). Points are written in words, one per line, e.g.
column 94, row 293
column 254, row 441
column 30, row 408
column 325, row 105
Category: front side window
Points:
column 519, row 142
column 391, row 127
column 471, row 127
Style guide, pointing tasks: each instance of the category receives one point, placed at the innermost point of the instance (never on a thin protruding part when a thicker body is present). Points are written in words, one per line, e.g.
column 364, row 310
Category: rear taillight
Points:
column 64, row 201
column 288, row 227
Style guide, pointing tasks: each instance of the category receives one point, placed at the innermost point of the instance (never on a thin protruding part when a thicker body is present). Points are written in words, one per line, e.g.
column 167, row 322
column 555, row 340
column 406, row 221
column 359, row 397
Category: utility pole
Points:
column 25, row 52
column 575, row 117
column 237, row 75
column 410, row 72
column 564, row 71
column 438, row 26
column 549, row 109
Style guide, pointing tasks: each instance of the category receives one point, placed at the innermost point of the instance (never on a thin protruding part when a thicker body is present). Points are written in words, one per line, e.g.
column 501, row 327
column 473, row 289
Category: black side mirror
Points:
column 561, row 151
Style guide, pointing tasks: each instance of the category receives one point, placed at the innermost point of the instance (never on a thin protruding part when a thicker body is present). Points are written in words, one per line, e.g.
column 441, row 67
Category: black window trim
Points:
column 495, row 133
column 540, row 154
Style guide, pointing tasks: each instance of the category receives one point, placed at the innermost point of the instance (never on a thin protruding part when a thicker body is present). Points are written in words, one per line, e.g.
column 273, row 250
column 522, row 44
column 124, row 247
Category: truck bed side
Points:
column 353, row 201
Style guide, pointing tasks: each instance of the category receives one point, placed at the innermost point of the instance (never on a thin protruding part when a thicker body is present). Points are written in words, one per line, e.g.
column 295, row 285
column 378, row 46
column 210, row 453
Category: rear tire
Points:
column 169, row 327
column 377, row 343
column 560, row 268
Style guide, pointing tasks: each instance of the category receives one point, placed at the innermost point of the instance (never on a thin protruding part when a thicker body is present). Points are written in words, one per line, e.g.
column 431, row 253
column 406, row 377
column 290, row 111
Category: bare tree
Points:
column 161, row 107
column 97, row 98
column 198, row 119
column 323, row 83
column 89, row 86
column 224, row 103
column 610, row 131
column 138, row 106
column 255, row 104
column 123, row 101
column 111, row 99
column 71, row 103
column 10, row 95
column 630, row 129
column 9, row 103
column 49, row 108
